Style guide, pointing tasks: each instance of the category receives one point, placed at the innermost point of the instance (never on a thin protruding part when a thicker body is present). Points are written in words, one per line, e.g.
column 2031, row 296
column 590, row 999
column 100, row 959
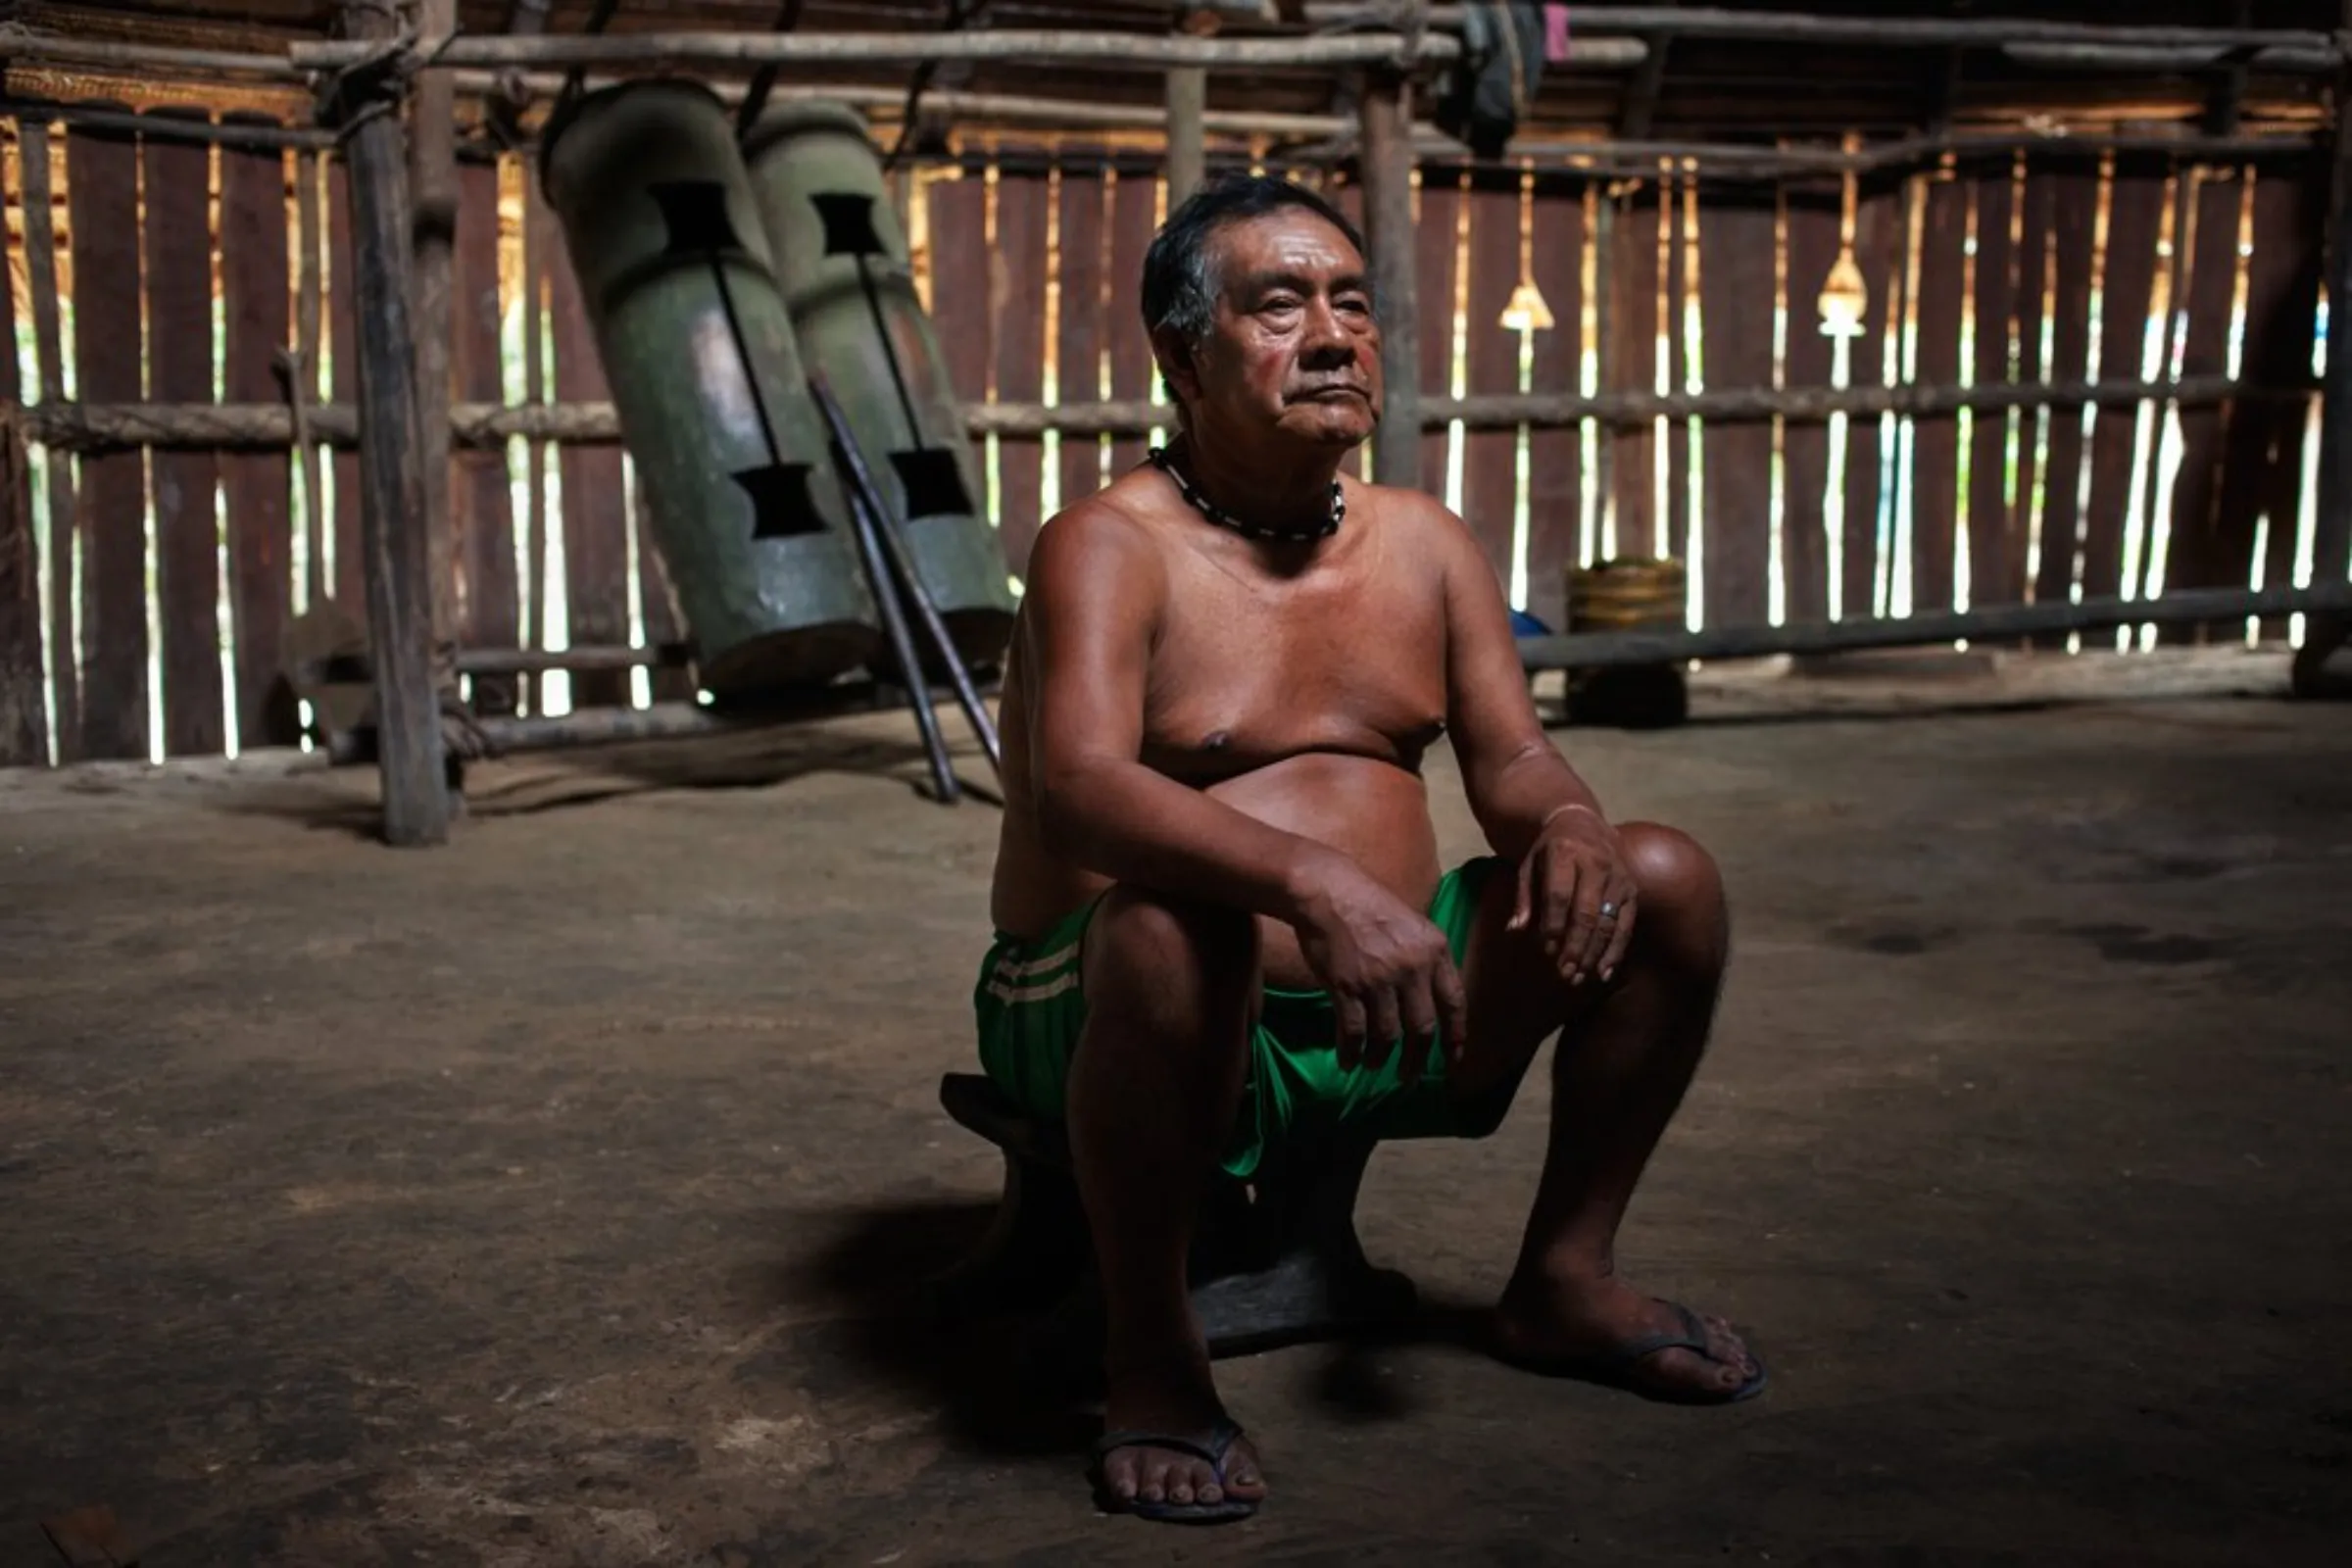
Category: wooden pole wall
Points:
column 102, row 188
column 2331, row 542
column 433, row 217
column 186, row 484
column 400, row 598
column 1747, row 459
column 1388, row 165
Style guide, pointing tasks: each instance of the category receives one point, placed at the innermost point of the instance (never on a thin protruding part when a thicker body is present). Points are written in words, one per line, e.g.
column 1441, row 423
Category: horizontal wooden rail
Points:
column 1867, row 31
column 1996, row 624
column 269, row 426
column 1028, row 46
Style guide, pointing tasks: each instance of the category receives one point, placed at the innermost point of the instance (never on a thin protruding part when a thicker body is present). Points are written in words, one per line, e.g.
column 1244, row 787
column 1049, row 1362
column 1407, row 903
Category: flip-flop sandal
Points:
column 1613, row 1368
column 1220, row 1442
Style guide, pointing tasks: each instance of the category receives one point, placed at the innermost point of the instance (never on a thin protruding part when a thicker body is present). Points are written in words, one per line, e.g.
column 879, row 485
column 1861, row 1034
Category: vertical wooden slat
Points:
column 2134, row 223
column 2037, row 225
column 1018, row 267
column 1737, row 263
column 258, row 484
column 1634, row 342
column 102, row 189
column 1556, row 457
column 343, row 351
column 2196, row 556
column 1436, row 249
column 1348, row 198
column 1678, row 355
column 1491, row 458
column 1811, row 220
column 481, row 499
column 540, row 236
column 1132, row 221
column 1078, row 371
column 1935, row 438
column 1995, row 544
column 1385, row 163
column 24, row 703
column 1879, row 251
column 180, row 368
column 2074, row 210
column 958, row 288
column 40, row 277
column 308, row 333
column 596, row 517
column 2282, row 292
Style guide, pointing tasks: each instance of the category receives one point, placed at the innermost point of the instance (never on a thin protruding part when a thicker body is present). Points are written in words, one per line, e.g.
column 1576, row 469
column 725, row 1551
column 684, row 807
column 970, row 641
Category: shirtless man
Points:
column 1218, row 901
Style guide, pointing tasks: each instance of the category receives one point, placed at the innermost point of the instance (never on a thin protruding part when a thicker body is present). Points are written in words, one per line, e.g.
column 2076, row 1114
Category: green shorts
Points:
column 1031, row 1008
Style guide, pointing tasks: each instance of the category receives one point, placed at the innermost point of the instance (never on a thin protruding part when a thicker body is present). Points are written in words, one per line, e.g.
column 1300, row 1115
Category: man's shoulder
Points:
column 1104, row 532
column 1413, row 516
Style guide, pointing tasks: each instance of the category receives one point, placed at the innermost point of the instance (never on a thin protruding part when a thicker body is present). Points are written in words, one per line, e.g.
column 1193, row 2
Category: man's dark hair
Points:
column 1180, row 284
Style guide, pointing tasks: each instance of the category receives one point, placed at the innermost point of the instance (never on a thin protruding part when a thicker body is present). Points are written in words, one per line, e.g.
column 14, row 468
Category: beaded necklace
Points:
column 1248, row 530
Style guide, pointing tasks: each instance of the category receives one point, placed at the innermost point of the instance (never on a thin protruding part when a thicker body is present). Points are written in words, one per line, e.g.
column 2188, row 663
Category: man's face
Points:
column 1293, row 347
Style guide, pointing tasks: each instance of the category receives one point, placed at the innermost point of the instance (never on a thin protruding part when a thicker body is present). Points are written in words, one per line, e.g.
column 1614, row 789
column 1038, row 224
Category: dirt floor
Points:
column 562, row 1197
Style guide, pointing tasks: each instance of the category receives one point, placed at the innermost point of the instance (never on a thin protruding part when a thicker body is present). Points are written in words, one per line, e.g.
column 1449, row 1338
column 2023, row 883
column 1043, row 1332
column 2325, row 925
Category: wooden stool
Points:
column 1275, row 1260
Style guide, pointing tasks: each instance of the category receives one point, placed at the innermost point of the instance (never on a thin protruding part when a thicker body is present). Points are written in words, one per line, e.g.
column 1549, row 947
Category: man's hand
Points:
column 1389, row 970
column 1575, row 887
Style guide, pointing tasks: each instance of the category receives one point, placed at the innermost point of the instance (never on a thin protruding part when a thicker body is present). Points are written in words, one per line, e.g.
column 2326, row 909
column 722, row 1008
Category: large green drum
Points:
column 841, row 259
column 674, row 264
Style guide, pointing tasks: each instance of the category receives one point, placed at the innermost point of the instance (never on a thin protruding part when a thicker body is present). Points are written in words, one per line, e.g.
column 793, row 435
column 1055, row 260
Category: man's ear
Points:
column 1176, row 365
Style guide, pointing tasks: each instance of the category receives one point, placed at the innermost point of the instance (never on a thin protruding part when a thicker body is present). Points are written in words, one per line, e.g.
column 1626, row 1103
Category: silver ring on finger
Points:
column 1608, row 911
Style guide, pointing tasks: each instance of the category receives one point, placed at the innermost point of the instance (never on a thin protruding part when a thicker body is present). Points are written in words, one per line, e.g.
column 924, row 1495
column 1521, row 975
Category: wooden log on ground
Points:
column 1995, row 625
column 1388, row 166
column 408, row 747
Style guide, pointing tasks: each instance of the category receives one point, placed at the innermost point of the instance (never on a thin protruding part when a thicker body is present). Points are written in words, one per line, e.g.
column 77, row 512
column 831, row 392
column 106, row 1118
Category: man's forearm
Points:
column 1125, row 821
column 1524, row 793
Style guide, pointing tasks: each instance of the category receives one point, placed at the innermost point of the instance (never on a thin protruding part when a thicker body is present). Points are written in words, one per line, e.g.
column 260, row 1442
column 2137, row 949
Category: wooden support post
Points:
column 2331, row 555
column 433, row 224
column 1387, row 168
column 1188, row 154
column 400, row 609
column 1188, row 112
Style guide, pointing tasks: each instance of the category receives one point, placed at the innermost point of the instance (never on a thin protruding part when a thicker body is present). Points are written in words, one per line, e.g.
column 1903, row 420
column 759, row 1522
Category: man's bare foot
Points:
column 1176, row 1399
column 1587, row 1327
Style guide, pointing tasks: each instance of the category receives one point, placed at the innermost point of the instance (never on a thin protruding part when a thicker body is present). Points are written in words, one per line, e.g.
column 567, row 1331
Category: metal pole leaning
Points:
column 867, row 528
column 856, row 473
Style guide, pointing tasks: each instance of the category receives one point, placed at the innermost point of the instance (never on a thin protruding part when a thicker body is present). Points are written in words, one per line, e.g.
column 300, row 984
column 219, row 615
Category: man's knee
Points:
column 1683, row 909
column 1149, row 946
